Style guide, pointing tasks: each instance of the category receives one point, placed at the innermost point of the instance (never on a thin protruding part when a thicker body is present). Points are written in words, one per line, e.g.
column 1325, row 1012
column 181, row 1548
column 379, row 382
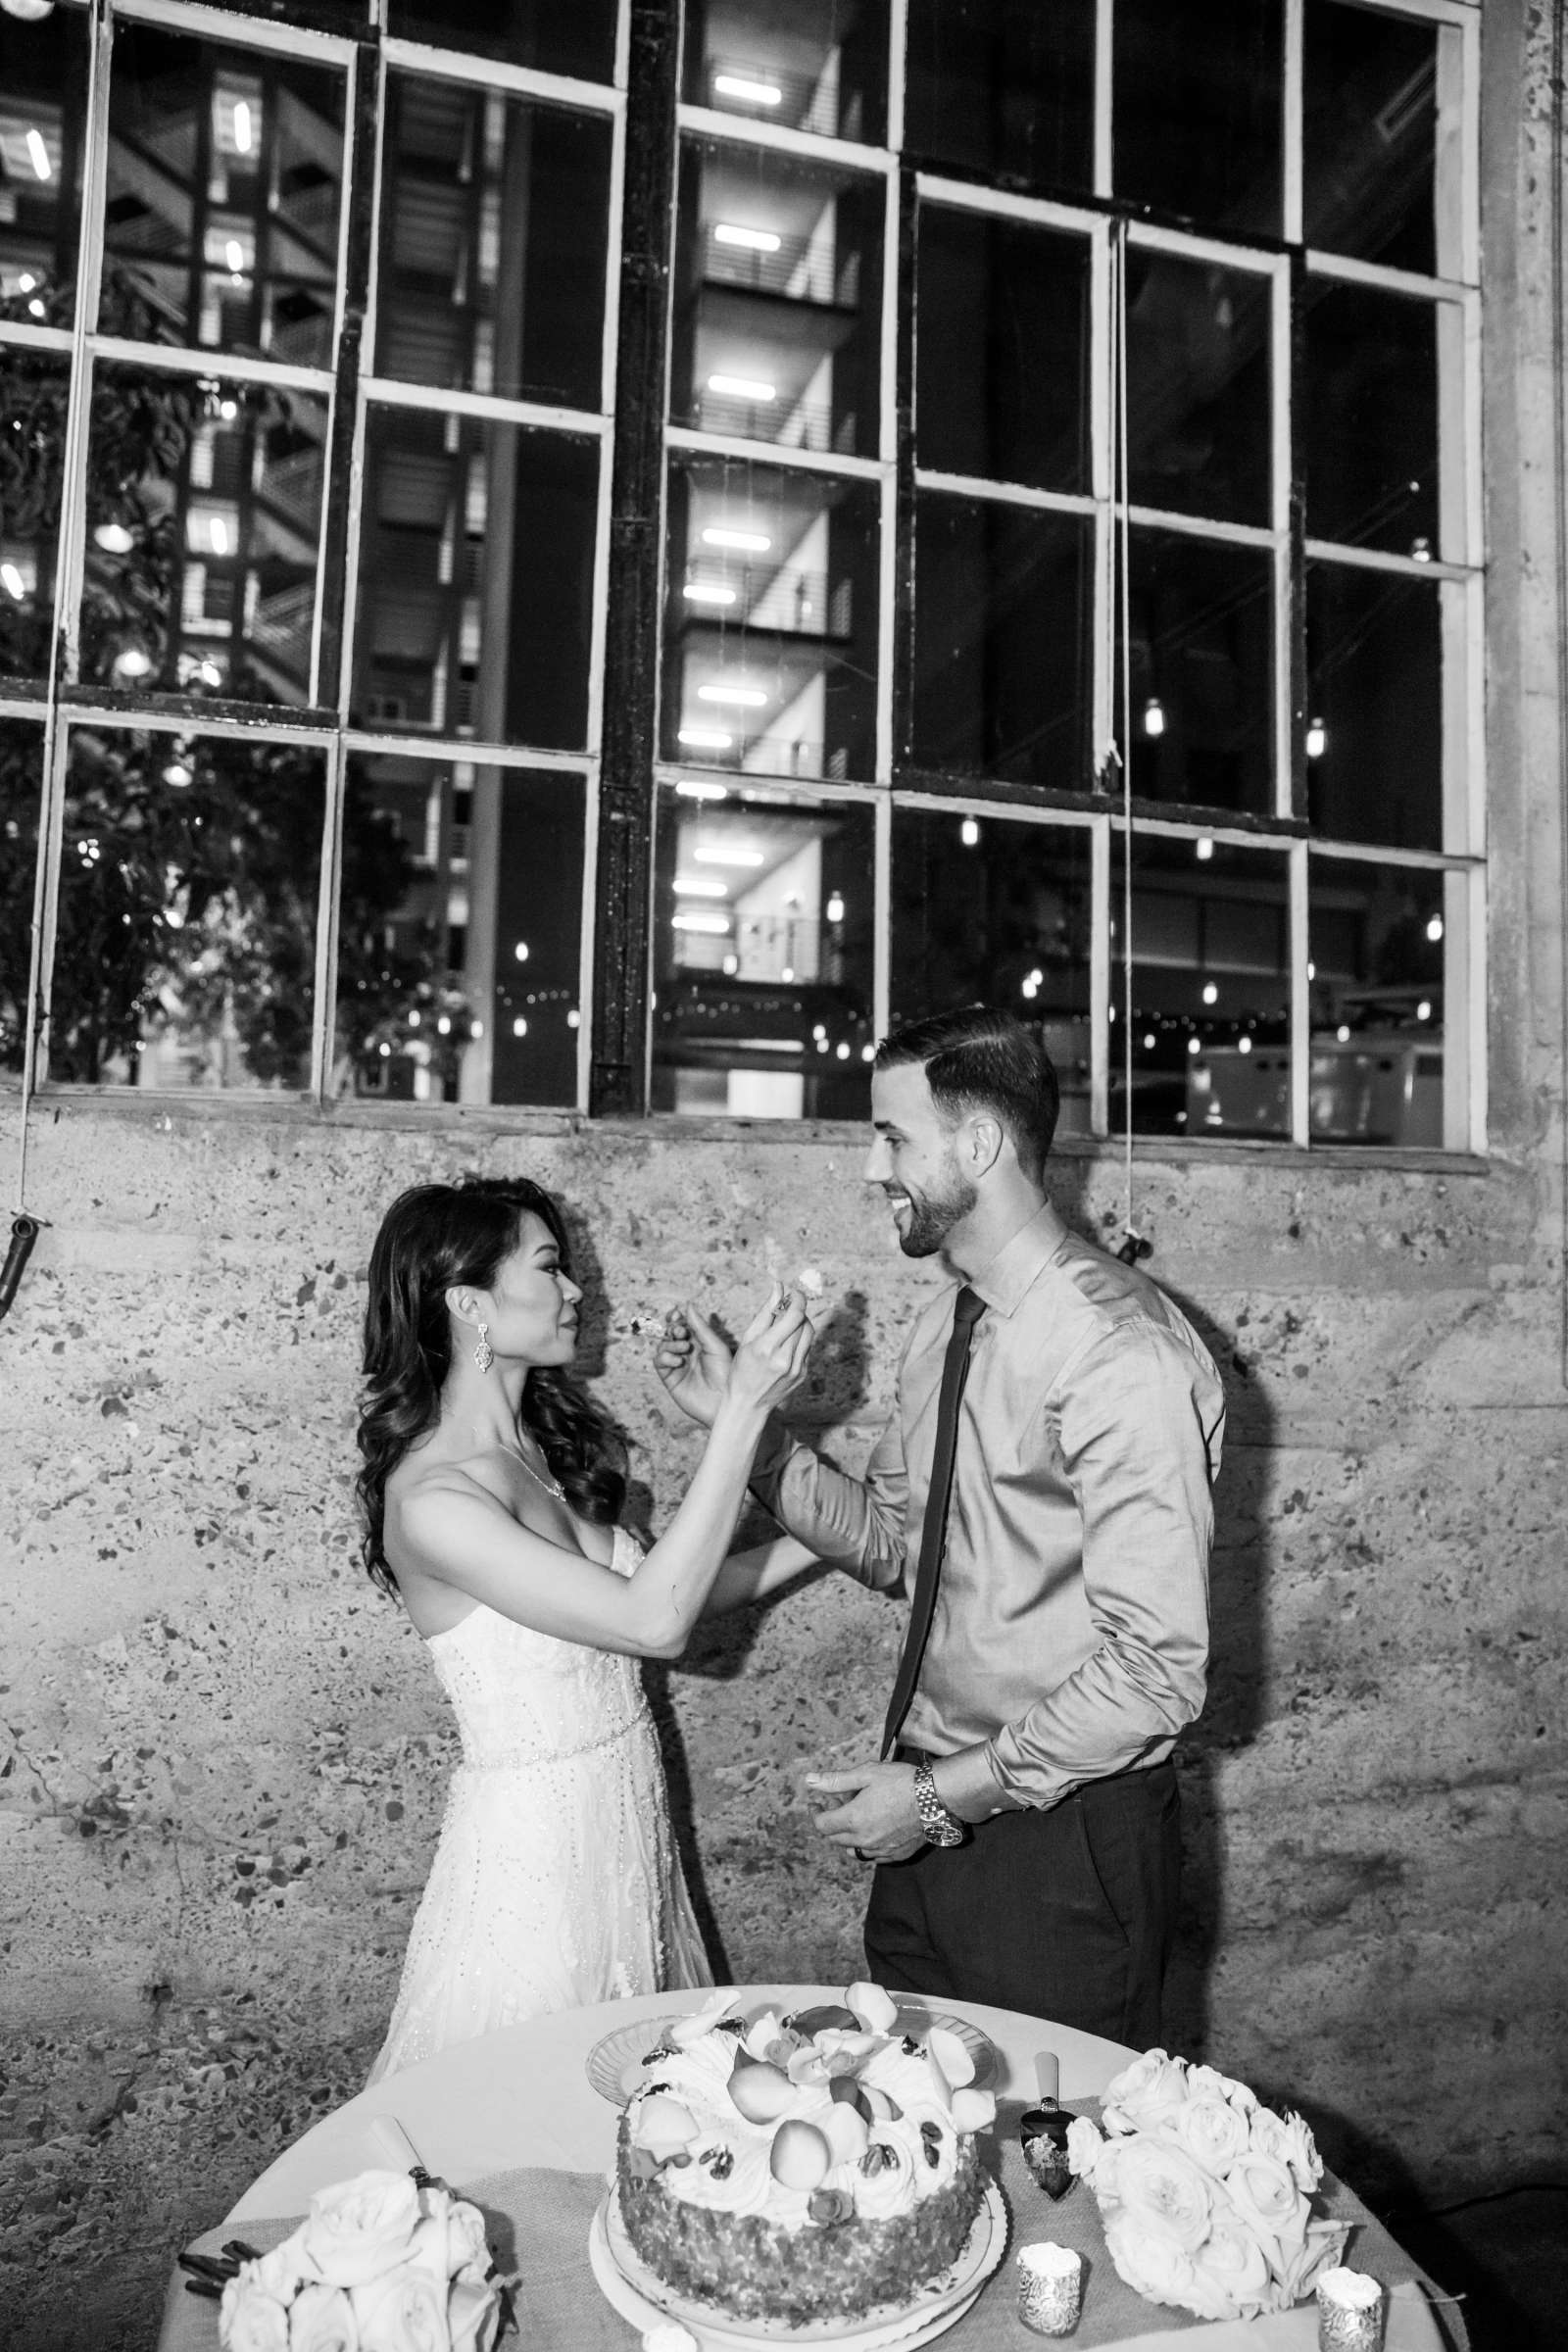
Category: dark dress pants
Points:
column 1067, row 1914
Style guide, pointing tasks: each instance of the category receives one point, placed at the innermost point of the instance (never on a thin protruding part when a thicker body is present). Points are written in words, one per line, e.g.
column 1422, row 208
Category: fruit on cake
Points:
column 802, row 2168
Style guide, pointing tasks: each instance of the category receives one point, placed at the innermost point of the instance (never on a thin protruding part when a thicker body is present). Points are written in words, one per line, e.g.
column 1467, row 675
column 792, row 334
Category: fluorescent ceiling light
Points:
column 753, row 543
column 703, row 738
column 746, row 857
column 690, row 790
column 697, row 886
column 715, row 926
column 39, row 154
column 707, row 591
column 234, row 256
column 741, row 387
column 16, row 585
column 242, row 126
column 743, row 698
column 751, row 240
column 752, row 93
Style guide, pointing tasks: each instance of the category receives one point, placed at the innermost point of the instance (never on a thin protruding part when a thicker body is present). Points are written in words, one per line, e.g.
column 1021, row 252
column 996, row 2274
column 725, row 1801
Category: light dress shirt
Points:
column 1070, row 1634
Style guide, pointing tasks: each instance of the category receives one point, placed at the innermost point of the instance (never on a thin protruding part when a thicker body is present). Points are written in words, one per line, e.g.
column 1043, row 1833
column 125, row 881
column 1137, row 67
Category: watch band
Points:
column 941, row 1827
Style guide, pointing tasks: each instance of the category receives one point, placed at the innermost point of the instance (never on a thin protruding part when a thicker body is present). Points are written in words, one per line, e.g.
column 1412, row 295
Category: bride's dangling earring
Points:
column 484, row 1355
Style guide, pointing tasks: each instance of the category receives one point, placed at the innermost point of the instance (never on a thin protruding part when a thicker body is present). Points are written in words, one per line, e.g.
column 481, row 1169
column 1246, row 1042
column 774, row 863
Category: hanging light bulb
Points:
column 969, row 832
column 1153, row 717
column 1317, row 738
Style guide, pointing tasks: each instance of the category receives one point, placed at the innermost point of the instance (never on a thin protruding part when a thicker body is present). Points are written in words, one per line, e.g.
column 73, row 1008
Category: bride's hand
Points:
column 769, row 1364
column 692, row 1359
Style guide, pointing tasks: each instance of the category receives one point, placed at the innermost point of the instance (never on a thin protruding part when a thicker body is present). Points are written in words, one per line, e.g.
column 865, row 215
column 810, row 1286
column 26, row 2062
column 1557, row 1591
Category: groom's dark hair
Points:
column 979, row 1057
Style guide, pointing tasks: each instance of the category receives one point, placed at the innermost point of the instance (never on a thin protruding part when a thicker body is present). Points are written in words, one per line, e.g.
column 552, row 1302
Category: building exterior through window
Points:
column 603, row 557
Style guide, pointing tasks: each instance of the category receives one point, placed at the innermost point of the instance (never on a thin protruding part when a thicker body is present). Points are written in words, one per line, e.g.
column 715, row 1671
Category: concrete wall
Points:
column 225, row 1754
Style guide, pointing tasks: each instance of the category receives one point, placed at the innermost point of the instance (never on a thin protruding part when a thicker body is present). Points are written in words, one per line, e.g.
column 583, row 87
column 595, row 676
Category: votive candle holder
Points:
column 1051, row 2287
column 1351, row 2310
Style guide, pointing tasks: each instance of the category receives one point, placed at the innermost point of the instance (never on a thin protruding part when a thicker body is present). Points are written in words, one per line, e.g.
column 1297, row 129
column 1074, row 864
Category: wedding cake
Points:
column 804, row 2167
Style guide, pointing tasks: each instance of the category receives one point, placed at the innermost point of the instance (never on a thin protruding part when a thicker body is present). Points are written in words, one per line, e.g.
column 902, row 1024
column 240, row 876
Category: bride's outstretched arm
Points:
column 452, row 1529
column 751, row 1575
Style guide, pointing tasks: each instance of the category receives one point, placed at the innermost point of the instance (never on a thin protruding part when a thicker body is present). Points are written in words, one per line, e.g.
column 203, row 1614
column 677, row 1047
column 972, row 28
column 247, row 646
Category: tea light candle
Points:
column 1050, row 2286
column 1349, row 2312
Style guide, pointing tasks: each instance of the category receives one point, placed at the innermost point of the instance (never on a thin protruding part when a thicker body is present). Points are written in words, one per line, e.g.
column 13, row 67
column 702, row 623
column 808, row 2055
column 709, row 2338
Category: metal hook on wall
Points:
column 23, row 1233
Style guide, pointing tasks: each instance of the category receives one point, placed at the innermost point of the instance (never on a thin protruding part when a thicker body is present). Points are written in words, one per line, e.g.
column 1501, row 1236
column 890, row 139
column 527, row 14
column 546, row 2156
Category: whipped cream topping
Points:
column 908, row 2155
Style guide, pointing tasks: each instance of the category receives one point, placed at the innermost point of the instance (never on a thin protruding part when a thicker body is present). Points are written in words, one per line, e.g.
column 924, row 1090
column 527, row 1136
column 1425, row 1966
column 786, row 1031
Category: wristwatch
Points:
column 941, row 1827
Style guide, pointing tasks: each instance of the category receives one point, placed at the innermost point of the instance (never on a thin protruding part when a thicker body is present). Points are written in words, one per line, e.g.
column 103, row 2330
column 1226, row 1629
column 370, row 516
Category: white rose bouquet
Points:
column 385, row 2263
column 1206, row 2196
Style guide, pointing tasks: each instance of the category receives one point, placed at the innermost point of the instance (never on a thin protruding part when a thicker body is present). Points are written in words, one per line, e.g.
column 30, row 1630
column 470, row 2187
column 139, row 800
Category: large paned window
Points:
column 598, row 558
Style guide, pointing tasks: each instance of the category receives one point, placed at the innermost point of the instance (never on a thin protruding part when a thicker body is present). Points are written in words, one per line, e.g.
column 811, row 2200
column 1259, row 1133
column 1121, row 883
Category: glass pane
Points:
column 477, row 570
column 226, row 169
column 460, row 937
column 763, row 947
column 204, row 521
column 43, row 118
column 579, row 40
column 1376, row 971
column 1212, row 991
column 203, row 535
column 1196, row 100
column 31, row 444
column 1368, row 135
column 494, row 227
column 771, row 620
column 818, row 65
column 1002, row 351
column 991, row 910
column 1199, row 427
column 1002, row 642
column 21, row 799
column 777, row 323
column 1202, row 672
column 1374, row 740
column 1003, row 89
column 1369, row 419
column 189, row 877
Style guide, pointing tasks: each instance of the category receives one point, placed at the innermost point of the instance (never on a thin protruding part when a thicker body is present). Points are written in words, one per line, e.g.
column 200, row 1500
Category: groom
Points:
column 1043, row 1492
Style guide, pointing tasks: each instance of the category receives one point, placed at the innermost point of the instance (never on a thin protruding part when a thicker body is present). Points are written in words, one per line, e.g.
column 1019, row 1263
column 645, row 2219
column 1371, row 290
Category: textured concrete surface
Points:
column 225, row 1754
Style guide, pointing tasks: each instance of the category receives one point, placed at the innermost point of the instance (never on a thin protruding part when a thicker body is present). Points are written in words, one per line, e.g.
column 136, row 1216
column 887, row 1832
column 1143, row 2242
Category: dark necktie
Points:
column 968, row 1308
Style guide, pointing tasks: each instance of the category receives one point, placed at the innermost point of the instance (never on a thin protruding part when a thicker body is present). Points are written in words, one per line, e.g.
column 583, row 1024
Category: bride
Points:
column 489, row 1491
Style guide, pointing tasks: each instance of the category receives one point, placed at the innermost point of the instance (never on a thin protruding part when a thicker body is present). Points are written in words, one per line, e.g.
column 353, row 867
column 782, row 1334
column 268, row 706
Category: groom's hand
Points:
column 692, row 1360
column 878, row 1818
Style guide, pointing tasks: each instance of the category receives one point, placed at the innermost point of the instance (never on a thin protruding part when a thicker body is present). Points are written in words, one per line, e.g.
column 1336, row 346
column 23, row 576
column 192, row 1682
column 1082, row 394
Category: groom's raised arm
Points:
column 856, row 1524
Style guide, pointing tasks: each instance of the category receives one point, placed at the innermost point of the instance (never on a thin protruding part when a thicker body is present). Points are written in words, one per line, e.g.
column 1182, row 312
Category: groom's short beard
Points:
column 933, row 1218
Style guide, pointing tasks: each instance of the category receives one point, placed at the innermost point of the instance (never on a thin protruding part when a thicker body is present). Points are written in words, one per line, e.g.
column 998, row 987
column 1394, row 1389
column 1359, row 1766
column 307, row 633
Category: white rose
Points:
column 249, row 2318
column 361, row 2227
column 321, row 2320
column 404, row 2311
column 468, row 2248
column 1287, row 2139
column 1231, row 2272
column 473, row 2316
column 1164, row 2192
column 287, row 2269
column 1152, row 2086
column 1206, row 2082
column 1152, row 2265
column 1264, row 2194
column 1085, row 2147
column 1209, row 2130
column 430, row 2248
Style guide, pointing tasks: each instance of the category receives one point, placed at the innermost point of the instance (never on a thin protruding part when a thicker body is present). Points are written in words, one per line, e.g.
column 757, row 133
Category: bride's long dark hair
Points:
column 440, row 1236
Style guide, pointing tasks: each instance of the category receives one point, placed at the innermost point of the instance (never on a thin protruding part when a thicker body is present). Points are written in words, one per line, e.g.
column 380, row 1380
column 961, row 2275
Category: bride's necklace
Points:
column 551, row 1485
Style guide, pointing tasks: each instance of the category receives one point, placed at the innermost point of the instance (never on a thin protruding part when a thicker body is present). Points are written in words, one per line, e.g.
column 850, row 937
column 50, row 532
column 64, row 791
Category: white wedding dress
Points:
column 556, row 1882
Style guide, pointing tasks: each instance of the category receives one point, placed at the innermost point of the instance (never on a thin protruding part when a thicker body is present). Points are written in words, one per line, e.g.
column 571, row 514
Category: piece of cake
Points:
column 803, row 2167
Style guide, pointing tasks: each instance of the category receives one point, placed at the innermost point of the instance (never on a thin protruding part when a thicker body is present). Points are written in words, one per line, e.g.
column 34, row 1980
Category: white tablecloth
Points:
column 522, row 2097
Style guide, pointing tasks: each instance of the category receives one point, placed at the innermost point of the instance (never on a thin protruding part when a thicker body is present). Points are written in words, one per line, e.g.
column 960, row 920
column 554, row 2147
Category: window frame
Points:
column 368, row 58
